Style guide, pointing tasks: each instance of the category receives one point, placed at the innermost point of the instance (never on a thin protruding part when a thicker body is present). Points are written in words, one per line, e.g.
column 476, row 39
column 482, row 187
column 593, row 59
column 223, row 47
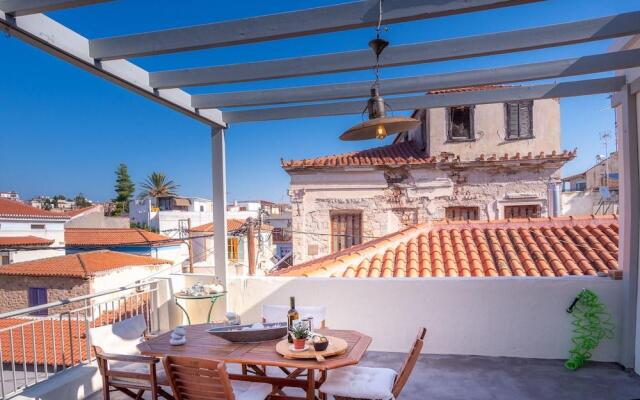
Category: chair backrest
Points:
column 409, row 363
column 278, row 313
column 198, row 379
column 121, row 337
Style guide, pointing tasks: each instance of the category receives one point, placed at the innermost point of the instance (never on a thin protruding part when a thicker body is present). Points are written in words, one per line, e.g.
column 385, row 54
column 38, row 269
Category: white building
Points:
column 170, row 215
column 23, row 228
column 10, row 195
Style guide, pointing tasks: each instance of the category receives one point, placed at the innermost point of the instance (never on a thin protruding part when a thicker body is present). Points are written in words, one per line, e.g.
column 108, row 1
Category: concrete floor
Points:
column 497, row 378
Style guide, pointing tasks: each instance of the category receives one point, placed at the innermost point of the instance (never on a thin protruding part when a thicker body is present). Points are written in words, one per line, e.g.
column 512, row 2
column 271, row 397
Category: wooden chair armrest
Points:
column 128, row 358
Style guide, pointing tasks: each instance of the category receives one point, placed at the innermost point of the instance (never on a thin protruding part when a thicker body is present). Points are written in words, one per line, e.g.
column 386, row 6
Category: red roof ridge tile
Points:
column 407, row 153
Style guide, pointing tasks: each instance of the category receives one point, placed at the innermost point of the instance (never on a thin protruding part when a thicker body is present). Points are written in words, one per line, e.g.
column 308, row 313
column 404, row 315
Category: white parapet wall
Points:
column 515, row 317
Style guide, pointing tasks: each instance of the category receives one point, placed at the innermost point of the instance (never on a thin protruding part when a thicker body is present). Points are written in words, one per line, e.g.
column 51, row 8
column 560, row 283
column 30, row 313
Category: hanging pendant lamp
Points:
column 379, row 125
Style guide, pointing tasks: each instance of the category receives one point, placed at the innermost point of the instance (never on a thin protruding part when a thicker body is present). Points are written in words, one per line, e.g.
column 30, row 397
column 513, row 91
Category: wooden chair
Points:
column 127, row 371
column 199, row 379
column 363, row 383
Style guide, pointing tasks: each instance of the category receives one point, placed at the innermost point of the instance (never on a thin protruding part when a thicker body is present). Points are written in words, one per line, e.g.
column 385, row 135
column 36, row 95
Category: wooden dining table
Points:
column 254, row 358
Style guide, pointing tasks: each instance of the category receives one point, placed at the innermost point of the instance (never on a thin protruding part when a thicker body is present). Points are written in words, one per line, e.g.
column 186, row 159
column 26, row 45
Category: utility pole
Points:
column 604, row 137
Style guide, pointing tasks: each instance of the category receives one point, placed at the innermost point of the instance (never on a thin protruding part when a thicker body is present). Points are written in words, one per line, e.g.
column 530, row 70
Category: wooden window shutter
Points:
column 512, row 120
column 524, row 119
column 346, row 230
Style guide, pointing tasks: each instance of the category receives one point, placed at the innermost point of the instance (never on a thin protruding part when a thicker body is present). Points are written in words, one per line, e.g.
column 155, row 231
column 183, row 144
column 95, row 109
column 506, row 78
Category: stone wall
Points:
column 14, row 291
column 388, row 205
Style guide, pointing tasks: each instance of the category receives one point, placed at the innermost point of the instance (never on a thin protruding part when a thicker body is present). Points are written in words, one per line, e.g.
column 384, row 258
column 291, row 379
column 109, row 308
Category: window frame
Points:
column 538, row 213
column 35, row 290
column 507, row 125
column 461, row 208
column 472, row 130
column 356, row 239
column 233, row 255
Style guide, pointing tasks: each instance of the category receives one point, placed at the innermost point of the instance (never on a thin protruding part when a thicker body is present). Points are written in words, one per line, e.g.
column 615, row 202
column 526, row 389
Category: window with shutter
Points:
column 37, row 296
column 462, row 213
column 522, row 211
column 232, row 248
column 346, row 229
column 460, row 123
column 519, row 119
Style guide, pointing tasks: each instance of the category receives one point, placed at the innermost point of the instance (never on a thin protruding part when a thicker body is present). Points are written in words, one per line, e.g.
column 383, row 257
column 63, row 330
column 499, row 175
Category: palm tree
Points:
column 156, row 185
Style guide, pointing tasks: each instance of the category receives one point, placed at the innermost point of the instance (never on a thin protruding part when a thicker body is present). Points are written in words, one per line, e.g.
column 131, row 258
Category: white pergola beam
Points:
column 352, row 15
column 516, row 93
column 219, row 176
column 26, row 7
column 517, row 73
column 60, row 41
column 442, row 50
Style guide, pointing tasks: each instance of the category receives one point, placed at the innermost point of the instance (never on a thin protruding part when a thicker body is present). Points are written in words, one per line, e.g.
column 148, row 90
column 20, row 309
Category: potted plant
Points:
column 300, row 333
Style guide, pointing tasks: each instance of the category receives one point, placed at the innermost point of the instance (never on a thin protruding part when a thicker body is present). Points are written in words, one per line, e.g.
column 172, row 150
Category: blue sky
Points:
column 65, row 131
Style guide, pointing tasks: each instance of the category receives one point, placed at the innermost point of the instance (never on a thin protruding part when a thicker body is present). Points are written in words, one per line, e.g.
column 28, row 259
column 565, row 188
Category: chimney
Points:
column 553, row 198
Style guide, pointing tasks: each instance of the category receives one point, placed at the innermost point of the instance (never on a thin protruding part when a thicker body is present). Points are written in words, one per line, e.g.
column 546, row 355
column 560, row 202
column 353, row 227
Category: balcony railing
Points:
column 33, row 349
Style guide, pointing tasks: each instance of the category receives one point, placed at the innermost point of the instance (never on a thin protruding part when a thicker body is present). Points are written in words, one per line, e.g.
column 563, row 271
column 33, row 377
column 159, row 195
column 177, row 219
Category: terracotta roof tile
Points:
column 9, row 241
column 79, row 265
column 45, row 339
column 546, row 247
column 406, row 153
column 17, row 209
column 79, row 237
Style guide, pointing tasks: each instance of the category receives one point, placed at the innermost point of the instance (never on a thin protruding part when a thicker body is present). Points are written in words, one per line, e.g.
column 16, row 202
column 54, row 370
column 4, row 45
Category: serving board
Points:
column 336, row 347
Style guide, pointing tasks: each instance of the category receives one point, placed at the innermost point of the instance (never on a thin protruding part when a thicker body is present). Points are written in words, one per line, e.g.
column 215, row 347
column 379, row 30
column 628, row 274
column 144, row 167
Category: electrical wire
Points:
column 592, row 323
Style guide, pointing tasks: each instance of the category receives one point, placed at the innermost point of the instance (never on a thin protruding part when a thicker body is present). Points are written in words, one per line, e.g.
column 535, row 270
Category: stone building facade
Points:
column 341, row 200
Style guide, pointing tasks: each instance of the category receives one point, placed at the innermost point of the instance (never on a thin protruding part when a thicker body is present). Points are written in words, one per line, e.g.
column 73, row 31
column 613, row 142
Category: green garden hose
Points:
column 592, row 323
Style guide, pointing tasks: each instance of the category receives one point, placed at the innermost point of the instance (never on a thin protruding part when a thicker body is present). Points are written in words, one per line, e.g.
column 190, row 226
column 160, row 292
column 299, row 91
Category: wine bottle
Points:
column 292, row 318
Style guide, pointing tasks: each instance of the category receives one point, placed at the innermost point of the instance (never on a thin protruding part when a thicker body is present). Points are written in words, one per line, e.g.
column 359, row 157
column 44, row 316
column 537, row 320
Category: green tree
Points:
column 81, row 201
column 124, row 188
column 157, row 185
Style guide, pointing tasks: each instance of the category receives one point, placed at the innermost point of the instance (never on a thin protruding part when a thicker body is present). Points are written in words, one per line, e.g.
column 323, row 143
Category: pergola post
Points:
column 630, row 220
column 219, row 207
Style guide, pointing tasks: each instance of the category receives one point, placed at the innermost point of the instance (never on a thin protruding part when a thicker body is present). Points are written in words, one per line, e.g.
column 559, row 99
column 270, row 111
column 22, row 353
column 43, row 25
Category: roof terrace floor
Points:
column 445, row 377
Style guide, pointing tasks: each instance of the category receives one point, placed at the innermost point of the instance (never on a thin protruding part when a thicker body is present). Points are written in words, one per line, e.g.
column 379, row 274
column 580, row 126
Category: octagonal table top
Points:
column 202, row 344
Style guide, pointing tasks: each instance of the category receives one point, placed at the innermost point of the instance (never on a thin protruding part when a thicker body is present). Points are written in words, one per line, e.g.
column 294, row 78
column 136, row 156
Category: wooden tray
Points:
column 336, row 347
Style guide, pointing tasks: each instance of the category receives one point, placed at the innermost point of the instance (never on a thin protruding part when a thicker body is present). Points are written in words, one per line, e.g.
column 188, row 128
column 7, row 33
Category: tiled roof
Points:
column 80, row 265
column 232, row 225
column 44, row 343
column 517, row 247
column 24, row 241
column 80, row 237
column 406, row 153
column 17, row 209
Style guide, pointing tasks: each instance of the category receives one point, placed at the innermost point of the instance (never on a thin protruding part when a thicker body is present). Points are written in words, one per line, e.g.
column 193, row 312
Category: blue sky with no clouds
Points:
column 65, row 131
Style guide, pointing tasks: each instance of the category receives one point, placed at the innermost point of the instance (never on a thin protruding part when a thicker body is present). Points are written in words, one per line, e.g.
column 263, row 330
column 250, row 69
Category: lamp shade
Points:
column 370, row 129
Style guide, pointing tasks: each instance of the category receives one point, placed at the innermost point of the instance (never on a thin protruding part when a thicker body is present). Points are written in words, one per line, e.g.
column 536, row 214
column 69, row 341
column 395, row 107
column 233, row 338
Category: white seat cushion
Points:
column 121, row 337
column 250, row 390
column 360, row 382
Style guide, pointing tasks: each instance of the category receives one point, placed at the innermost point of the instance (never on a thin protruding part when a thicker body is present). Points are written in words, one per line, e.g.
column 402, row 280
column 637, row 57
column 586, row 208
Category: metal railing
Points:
column 33, row 348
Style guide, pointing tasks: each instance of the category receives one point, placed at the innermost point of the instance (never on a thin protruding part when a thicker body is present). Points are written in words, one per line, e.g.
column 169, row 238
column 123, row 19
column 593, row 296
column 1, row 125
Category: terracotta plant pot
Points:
column 298, row 344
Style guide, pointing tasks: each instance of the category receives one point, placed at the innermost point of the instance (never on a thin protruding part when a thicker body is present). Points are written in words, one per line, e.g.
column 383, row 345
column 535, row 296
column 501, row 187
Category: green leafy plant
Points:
column 299, row 331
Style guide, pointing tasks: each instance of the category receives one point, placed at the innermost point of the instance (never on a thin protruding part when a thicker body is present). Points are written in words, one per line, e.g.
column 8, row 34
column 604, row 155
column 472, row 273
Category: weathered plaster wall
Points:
column 421, row 196
column 489, row 126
